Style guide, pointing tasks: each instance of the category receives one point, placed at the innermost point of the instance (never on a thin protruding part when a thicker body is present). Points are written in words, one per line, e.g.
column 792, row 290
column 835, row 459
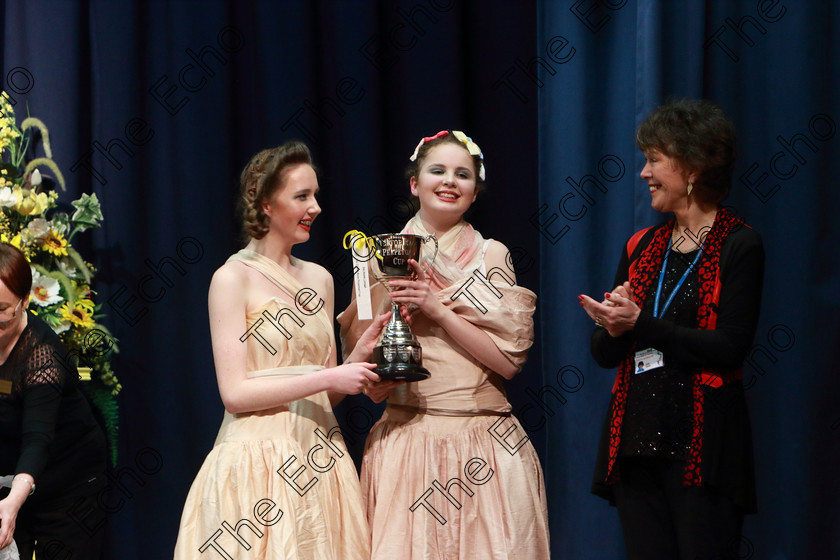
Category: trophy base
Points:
column 402, row 372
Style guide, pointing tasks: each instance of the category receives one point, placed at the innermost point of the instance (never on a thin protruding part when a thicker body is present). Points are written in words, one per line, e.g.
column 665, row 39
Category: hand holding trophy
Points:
column 397, row 353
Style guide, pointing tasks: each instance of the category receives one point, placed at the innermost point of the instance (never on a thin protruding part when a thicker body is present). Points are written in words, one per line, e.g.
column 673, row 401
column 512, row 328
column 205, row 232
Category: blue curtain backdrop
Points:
column 773, row 67
column 156, row 106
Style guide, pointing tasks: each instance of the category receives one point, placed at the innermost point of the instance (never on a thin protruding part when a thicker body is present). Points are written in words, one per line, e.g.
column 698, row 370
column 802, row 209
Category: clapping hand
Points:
column 617, row 313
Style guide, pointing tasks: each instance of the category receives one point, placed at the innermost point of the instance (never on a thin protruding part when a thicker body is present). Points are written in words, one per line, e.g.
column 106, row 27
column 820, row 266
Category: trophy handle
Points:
column 432, row 237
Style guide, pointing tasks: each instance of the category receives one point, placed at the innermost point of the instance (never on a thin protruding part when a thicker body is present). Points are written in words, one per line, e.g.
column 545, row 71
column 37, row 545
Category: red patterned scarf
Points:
column 643, row 271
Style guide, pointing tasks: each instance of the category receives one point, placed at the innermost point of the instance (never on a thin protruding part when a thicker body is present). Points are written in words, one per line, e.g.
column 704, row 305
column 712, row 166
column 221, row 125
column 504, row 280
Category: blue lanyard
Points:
column 656, row 312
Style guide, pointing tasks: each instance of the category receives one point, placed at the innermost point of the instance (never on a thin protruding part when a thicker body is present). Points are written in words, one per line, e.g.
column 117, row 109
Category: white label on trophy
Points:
column 362, row 285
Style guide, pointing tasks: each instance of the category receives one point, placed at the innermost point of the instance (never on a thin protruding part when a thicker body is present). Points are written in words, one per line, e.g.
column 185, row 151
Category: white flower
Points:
column 45, row 290
column 39, row 227
column 66, row 267
column 8, row 197
column 61, row 327
column 35, row 178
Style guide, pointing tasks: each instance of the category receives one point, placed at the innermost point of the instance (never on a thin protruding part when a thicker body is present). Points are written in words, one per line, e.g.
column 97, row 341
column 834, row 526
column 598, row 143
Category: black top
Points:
column 723, row 348
column 46, row 425
column 658, row 419
column 727, row 461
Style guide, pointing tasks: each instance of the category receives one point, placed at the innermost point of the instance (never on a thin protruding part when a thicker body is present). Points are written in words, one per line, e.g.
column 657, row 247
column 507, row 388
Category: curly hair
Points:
column 699, row 135
column 414, row 166
column 262, row 178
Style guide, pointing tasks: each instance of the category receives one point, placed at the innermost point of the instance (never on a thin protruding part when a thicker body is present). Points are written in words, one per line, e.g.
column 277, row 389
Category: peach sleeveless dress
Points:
column 279, row 483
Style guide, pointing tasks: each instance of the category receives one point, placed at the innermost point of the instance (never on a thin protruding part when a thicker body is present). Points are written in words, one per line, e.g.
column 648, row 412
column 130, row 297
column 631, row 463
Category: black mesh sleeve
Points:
column 43, row 383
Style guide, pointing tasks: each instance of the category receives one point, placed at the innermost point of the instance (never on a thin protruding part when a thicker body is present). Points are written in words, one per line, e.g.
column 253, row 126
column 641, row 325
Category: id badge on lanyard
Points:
column 648, row 359
column 651, row 358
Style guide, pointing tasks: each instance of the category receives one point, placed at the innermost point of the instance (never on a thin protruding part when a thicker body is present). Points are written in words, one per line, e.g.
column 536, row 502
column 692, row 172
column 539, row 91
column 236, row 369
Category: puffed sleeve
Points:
column 505, row 313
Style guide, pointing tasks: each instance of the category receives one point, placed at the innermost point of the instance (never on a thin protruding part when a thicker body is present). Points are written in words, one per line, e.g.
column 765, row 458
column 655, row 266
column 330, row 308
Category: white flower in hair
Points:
column 473, row 149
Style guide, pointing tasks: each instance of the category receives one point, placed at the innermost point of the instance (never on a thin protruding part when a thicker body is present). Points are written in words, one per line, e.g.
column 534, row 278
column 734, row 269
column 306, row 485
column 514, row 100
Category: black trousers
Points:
column 68, row 527
column 664, row 520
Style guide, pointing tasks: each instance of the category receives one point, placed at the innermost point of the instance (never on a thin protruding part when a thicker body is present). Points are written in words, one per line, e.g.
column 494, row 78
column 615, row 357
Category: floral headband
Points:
column 472, row 147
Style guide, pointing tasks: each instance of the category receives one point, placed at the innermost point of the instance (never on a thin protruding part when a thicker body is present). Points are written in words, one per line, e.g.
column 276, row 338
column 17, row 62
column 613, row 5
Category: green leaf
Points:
column 80, row 263
column 114, row 340
column 60, row 222
column 88, row 213
column 108, row 409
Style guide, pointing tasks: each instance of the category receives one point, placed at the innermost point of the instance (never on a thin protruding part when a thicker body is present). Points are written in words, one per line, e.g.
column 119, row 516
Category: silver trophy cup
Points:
column 398, row 354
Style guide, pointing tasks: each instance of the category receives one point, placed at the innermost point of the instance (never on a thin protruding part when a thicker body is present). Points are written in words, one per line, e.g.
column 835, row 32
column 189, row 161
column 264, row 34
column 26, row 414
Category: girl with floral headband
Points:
column 448, row 471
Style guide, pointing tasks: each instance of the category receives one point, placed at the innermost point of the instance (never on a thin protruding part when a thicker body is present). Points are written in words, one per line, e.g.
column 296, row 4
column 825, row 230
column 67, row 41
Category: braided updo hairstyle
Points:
column 262, row 178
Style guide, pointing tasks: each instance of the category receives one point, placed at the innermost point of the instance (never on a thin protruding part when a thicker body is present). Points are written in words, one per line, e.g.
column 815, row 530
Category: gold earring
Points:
column 690, row 187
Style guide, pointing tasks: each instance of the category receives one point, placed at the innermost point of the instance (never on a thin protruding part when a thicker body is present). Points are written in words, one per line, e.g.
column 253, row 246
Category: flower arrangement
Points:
column 33, row 220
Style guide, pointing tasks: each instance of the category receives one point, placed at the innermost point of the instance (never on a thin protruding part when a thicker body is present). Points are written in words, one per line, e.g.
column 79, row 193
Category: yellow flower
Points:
column 42, row 202
column 13, row 241
column 32, row 203
column 81, row 315
column 54, row 243
column 7, row 134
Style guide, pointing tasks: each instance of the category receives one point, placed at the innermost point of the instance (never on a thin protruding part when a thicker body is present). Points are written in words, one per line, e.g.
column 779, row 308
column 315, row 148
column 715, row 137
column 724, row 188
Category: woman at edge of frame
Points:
column 49, row 436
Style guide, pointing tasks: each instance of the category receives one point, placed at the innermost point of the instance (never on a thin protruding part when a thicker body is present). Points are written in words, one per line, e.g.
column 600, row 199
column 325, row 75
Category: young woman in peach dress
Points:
column 278, row 482
column 448, row 472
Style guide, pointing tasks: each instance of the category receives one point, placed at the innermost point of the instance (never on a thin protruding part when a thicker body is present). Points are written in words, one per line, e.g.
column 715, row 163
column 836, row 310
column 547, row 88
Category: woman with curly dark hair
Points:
column 676, row 452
